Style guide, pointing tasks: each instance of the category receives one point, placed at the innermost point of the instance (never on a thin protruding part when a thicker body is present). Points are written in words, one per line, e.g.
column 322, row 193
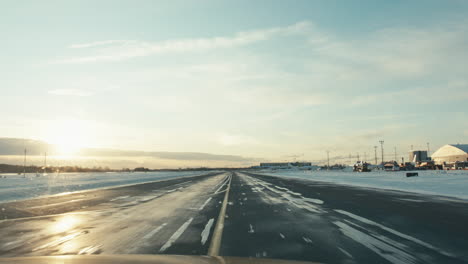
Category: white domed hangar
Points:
column 451, row 153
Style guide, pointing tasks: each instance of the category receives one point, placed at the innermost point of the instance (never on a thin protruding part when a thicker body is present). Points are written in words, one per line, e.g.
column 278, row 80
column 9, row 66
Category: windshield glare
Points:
column 265, row 131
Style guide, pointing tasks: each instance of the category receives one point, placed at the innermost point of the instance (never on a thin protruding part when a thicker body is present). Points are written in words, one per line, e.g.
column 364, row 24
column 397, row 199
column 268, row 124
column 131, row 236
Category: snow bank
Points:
column 15, row 187
column 447, row 183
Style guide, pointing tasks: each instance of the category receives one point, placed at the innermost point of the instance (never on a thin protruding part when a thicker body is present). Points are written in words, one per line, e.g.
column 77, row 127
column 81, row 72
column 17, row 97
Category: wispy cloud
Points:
column 456, row 90
column 394, row 52
column 100, row 43
column 115, row 50
column 70, row 92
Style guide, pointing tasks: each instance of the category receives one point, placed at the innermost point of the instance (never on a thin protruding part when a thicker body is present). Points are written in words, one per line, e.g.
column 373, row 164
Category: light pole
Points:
column 381, row 147
column 375, row 154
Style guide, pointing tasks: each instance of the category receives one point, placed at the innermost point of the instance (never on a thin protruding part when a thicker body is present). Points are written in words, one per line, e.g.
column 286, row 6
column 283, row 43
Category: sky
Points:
column 256, row 80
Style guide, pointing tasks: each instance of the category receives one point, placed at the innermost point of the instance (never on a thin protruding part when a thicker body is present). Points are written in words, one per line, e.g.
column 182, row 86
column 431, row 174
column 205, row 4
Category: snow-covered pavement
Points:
column 446, row 183
column 16, row 187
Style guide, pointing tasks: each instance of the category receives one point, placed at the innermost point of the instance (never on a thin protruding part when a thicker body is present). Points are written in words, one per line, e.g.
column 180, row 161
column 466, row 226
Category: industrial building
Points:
column 451, row 153
column 285, row 164
column 418, row 155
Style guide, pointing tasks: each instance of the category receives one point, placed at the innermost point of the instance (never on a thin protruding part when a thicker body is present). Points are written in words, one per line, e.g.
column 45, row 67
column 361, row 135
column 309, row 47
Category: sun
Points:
column 67, row 136
column 68, row 145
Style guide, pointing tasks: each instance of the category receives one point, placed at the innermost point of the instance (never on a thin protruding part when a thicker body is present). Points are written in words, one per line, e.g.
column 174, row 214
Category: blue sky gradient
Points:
column 265, row 79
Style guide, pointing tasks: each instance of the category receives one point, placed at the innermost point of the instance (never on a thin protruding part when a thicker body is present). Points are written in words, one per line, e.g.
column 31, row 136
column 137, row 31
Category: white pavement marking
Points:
column 293, row 198
column 90, row 250
column 345, row 252
column 173, row 190
column 391, row 253
column 251, row 230
column 206, row 232
column 224, row 183
column 58, row 241
column 392, row 231
column 154, row 231
column 204, row 204
column 181, row 183
column 307, row 240
column 176, row 235
column 55, row 204
column 215, row 243
column 119, row 198
column 148, row 198
column 221, row 182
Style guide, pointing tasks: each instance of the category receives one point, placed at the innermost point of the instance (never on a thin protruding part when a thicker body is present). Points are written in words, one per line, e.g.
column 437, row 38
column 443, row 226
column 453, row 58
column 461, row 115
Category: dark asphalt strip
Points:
column 355, row 221
column 58, row 204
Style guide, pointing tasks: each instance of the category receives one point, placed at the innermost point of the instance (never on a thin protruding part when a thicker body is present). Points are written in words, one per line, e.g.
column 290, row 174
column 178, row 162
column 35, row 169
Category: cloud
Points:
column 394, row 52
column 16, row 146
column 181, row 156
column 452, row 91
column 70, row 92
column 116, row 50
column 100, row 43
column 393, row 68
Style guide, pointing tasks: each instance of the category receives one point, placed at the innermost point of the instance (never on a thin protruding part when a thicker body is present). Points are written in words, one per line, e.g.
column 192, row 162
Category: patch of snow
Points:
column 445, row 183
column 385, row 250
column 15, row 187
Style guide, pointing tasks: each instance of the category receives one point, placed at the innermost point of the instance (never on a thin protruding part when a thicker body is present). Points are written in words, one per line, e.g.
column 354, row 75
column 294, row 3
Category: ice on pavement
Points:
column 15, row 187
column 447, row 183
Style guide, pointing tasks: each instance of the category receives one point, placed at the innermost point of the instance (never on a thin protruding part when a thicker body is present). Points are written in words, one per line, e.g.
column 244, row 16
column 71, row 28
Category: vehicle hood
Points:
column 143, row 259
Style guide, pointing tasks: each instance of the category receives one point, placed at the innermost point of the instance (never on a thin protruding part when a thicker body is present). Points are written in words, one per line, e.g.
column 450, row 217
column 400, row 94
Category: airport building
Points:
column 451, row 153
column 284, row 164
column 418, row 155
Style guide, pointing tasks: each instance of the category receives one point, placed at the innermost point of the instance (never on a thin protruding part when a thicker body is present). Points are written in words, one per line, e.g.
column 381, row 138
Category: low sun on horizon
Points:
column 68, row 137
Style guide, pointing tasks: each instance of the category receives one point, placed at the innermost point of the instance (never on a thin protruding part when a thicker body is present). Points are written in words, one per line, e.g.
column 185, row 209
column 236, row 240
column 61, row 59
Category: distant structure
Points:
column 418, row 155
column 375, row 153
column 141, row 169
column 284, row 165
column 451, row 153
column 381, row 148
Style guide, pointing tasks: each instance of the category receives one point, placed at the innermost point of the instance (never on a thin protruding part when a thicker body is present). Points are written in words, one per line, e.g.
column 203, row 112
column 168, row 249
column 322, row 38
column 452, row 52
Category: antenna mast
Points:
column 24, row 163
column 381, row 147
column 375, row 154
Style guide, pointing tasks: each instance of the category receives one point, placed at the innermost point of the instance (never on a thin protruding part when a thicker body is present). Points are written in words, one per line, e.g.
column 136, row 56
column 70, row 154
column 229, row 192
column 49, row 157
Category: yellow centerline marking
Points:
column 215, row 243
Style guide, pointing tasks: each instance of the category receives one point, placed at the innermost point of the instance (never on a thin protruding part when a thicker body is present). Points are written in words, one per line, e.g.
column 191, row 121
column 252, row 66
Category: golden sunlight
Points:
column 68, row 136
column 65, row 223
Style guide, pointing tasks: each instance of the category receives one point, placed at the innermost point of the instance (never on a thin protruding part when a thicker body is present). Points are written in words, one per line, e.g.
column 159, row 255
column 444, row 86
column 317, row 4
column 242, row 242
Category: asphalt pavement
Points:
column 241, row 214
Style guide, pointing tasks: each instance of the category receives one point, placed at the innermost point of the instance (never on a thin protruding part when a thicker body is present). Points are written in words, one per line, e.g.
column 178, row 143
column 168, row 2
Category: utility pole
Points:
column 428, row 149
column 375, row 154
column 358, row 156
column 365, row 157
column 45, row 163
column 381, row 148
column 395, row 154
column 24, row 163
column 328, row 160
